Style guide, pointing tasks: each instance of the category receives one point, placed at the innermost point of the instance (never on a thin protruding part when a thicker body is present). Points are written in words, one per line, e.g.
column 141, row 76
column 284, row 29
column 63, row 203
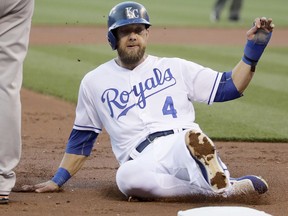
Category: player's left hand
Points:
column 258, row 38
column 263, row 25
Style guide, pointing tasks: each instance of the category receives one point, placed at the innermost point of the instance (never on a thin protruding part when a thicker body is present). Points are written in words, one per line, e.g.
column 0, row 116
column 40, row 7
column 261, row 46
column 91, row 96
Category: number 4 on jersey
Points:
column 168, row 108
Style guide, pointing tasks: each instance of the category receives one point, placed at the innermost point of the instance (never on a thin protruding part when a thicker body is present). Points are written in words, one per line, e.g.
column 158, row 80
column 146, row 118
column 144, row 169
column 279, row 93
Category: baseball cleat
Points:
column 4, row 199
column 249, row 184
column 203, row 151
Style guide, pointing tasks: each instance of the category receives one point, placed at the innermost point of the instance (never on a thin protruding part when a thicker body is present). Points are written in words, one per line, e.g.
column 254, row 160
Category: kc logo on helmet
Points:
column 131, row 13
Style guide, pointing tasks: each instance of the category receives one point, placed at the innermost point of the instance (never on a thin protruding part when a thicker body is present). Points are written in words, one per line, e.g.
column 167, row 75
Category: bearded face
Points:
column 131, row 46
column 131, row 55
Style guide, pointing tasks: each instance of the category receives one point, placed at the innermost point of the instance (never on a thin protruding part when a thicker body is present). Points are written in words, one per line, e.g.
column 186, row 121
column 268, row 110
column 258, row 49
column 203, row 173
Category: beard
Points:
column 131, row 57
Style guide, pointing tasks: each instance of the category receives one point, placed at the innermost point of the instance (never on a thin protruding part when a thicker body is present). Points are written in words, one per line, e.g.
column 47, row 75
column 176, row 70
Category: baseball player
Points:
column 145, row 103
column 234, row 10
column 15, row 23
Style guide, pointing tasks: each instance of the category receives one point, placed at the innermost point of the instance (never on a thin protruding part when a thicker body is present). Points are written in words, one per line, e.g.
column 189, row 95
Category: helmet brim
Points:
column 129, row 22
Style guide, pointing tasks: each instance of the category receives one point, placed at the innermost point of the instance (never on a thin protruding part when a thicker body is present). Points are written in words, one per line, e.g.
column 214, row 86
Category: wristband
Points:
column 255, row 48
column 61, row 176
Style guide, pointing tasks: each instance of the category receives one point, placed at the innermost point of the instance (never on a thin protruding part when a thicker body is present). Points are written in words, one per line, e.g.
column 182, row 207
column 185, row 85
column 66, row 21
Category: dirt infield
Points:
column 159, row 35
column 47, row 122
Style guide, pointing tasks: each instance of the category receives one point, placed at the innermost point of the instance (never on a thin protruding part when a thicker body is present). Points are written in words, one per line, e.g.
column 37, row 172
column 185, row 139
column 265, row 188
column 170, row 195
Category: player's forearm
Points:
column 241, row 76
column 78, row 148
column 71, row 164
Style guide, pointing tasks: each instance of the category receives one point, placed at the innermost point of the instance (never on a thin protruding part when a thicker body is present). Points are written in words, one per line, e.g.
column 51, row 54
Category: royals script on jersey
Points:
column 130, row 104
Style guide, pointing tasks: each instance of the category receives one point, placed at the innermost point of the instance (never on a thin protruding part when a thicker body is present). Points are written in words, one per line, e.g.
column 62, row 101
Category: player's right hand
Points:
column 48, row 186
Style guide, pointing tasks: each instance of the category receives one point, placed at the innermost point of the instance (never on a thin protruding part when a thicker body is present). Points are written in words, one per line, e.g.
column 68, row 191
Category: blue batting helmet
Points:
column 123, row 14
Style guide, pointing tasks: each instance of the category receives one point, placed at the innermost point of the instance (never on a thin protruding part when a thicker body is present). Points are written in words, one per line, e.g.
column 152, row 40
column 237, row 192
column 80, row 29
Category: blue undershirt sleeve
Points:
column 226, row 90
column 81, row 142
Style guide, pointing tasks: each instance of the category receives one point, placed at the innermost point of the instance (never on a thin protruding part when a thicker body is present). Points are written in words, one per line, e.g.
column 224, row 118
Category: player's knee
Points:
column 130, row 181
column 125, row 178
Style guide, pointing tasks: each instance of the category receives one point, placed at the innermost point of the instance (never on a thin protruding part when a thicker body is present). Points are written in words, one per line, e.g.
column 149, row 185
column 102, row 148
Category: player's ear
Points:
column 147, row 33
column 112, row 38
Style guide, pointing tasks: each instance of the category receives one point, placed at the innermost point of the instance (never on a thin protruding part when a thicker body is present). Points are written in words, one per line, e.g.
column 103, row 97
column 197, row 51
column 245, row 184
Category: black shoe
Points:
column 234, row 18
column 4, row 199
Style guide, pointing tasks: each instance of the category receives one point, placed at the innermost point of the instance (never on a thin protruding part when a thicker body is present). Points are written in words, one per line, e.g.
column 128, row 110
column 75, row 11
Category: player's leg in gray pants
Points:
column 15, row 23
column 218, row 7
column 235, row 9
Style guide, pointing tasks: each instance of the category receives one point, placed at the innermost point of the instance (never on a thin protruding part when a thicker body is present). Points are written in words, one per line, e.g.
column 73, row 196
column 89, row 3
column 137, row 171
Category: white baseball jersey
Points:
column 154, row 96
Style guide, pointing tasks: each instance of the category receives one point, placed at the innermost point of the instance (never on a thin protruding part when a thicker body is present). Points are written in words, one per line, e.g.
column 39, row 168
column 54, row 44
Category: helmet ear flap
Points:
column 112, row 40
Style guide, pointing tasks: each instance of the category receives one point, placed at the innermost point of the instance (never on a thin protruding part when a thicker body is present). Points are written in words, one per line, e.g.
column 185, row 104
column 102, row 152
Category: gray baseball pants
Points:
column 15, row 24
